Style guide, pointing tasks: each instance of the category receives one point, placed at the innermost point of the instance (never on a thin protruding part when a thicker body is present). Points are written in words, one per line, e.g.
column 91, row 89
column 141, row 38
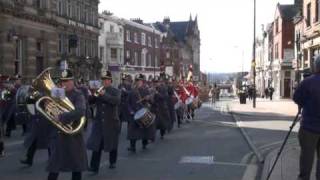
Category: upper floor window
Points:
column 308, row 20
column 59, row 7
column 149, row 41
column 277, row 25
column 40, row 4
column 317, row 11
column 143, row 38
column 111, row 28
column 156, row 43
column 128, row 36
column 136, row 37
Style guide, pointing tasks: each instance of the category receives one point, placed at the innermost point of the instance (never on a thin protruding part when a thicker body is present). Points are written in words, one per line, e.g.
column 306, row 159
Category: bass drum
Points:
column 22, row 97
column 144, row 118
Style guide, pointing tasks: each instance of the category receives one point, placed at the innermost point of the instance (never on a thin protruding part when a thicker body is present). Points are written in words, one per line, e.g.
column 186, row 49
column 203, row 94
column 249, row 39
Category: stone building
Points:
column 35, row 34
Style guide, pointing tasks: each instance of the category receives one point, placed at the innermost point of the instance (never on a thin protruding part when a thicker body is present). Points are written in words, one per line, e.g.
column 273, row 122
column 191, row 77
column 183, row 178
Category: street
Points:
column 211, row 147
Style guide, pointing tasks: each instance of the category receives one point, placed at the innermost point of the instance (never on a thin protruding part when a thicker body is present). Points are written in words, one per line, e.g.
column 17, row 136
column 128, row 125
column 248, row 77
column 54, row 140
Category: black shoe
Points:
column 26, row 162
column 161, row 137
column 112, row 166
column 93, row 170
column 1, row 154
column 133, row 150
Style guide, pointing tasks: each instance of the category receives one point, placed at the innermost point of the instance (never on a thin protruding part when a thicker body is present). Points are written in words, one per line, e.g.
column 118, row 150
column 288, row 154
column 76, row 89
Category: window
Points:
column 276, row 49
column 60, row 43
column 308, row 15
column 59, row 7
column 39, row 46
column 93, row 48
column 149, row 60
column 128, row 54
column 128, row 36
column 78, row 13
column 317, row 10
column 136, row 37
column 113, row 53
column 102, row 26
column 277, row 25
column 136, row 59
column 167, row 55
column 101, row 53
column 143, row 59
column 149, row 41
column 111, row 28
column 41, row 4
column 143, row 38
column 69, row 13
column 85, row 48
column 156, row 42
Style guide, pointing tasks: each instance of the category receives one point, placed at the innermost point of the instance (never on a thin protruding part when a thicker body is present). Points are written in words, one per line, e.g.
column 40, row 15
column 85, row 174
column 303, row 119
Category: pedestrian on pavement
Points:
column 105, row 129
column 266, row 93
column 271, row 91
column 307, row 97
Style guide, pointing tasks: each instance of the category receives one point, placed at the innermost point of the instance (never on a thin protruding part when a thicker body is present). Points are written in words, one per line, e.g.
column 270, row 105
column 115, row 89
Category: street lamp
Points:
column 254, row 54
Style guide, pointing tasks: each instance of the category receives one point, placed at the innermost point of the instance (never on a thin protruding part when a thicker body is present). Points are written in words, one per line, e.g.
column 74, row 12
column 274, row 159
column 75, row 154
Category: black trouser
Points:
column 75, row 176
column 31, row 151
column 133, row 143
column 10, row 125
column 309, row 143
column 96, row 157
column 179, row 118
column 162, row 132
column 190, row 111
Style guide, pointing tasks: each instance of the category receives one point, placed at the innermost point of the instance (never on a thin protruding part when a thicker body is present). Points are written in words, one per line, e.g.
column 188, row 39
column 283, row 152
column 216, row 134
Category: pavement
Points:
column 265, row 128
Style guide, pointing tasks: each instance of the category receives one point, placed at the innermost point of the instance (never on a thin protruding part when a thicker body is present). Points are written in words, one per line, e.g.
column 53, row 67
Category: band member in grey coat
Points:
column 37, row 136
column 68, row 152
column 106, row 125
column 172, row 111
column 139, row 98
column 160, row 106
column 125, row 87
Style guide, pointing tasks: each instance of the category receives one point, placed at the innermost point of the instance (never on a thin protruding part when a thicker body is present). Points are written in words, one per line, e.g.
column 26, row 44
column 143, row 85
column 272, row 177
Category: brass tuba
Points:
column 51, row 107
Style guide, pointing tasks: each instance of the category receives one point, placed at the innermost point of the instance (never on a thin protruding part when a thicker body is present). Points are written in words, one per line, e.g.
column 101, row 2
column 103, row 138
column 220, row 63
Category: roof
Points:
column 288, row 11
column 179, row 29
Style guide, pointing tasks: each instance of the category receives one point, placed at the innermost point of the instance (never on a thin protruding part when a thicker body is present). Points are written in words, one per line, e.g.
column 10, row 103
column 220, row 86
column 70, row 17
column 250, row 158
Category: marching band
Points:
column 57, row 124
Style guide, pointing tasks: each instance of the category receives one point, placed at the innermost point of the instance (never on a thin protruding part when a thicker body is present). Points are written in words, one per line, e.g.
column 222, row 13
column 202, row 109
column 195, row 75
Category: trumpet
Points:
column 98, row 91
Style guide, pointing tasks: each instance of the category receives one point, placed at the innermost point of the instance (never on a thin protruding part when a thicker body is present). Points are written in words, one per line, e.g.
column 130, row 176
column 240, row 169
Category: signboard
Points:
column 169, row 70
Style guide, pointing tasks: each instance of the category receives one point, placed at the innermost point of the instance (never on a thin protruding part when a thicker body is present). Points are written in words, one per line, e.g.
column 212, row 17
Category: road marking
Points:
column 250, row 173
column 209, row 160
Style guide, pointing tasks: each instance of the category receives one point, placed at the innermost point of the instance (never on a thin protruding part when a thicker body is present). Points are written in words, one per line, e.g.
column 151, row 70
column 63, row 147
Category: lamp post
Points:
column 254, row 54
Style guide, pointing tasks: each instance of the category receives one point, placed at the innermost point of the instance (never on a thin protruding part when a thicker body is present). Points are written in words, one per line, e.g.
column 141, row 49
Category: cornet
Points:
column 98, row 91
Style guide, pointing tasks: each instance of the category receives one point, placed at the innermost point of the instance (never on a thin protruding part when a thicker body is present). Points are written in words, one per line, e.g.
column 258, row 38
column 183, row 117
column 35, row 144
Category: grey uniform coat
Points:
column 134, row 131
column 160, row 108
column 68, row 152
column 38, row 129
column 170, row 103
column 106, row 125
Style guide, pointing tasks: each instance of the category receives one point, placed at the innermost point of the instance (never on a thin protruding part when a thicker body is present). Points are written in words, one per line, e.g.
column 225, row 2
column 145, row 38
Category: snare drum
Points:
column 144, row 118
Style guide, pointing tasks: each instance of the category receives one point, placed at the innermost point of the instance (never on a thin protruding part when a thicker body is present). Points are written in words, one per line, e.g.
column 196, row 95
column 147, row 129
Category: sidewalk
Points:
column 287, row 167
column 264, row 106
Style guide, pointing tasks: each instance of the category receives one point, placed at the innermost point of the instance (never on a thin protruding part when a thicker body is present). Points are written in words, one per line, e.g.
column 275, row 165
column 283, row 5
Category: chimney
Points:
column 166, row 20
column 137, row 20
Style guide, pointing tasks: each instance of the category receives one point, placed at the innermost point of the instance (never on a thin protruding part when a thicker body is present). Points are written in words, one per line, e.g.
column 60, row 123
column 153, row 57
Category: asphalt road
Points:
column 211, row 147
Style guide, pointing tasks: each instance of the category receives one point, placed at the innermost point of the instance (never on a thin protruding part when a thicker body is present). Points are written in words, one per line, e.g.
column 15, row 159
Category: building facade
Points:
column 283, row 75
column 35, row 34
column 141, row 49
column 111, row 45
column 181, row 46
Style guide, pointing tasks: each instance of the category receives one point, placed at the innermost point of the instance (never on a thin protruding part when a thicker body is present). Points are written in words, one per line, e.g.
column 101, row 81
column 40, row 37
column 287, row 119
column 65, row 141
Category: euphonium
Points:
column 51, row 107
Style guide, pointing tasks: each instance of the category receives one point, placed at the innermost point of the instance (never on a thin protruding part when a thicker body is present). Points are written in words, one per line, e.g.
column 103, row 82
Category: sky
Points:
column 226, row 27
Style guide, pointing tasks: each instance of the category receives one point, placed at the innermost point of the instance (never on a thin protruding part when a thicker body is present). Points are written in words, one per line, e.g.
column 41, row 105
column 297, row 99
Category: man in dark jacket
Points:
column 106, row 125
column 68, row 152
column 307, row 97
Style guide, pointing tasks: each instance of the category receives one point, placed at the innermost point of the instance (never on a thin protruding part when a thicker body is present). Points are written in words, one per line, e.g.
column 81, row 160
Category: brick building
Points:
column 141, row 48
column 35, row 34
column 181, row 46
column 283, row 50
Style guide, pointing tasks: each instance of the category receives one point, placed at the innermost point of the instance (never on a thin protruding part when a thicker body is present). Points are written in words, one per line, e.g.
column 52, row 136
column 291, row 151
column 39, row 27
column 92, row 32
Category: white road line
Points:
column 250, row 173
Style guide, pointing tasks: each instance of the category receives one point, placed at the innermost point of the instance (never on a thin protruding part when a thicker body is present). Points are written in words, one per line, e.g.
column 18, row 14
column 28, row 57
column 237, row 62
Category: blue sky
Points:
column 226, row 26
